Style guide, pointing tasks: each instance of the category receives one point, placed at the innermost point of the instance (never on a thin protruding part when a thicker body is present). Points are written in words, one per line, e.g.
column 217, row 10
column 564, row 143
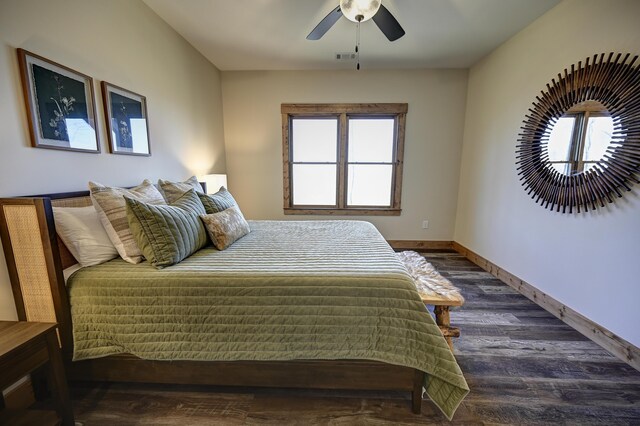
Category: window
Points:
column 343, row 158
column 580, row 138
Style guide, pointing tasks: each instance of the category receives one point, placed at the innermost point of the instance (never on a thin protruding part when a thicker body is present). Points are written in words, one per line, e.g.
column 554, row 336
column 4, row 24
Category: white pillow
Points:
column 83, row 234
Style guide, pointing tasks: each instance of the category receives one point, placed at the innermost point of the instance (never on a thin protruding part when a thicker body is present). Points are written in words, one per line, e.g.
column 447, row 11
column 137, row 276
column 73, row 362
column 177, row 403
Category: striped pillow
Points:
column 168, row 234
column 174, row 190
column 220, row 201
column 111, row 207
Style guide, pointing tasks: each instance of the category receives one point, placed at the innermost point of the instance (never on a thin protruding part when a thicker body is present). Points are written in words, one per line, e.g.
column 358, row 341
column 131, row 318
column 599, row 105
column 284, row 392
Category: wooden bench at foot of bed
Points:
column 443, row 318
column 435, row 290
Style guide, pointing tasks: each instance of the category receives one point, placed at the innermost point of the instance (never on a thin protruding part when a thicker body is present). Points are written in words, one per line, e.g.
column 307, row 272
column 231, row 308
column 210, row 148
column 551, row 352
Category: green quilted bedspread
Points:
column 288, row 290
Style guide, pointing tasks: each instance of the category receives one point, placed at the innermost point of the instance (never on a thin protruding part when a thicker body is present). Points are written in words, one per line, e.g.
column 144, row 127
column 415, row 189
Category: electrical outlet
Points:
column 425, row 224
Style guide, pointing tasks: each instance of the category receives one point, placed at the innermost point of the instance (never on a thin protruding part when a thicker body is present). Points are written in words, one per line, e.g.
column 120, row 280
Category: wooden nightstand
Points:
column 24, row 348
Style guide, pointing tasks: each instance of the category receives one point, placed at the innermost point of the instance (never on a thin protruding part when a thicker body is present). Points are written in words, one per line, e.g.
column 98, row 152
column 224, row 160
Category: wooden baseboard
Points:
column 20, row 395
column 420, row 245
column 614, row 344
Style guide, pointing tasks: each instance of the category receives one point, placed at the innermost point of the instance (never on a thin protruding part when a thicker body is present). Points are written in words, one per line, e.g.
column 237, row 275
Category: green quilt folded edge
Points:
column 449, row 404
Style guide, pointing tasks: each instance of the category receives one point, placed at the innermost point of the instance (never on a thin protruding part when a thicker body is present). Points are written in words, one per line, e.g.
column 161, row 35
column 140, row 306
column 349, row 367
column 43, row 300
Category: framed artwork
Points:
column 126, row 116
column 60, row 105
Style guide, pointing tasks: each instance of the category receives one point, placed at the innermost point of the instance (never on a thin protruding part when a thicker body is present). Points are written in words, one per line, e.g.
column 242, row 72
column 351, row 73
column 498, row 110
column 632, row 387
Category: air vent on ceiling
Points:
column 345, row 56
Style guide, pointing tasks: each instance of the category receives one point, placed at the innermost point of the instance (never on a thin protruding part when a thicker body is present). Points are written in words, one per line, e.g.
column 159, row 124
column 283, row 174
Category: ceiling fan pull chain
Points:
column 358, row 46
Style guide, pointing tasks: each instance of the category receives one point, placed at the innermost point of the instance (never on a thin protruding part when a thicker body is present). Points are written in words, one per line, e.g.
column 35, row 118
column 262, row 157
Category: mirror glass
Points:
column 579, row 139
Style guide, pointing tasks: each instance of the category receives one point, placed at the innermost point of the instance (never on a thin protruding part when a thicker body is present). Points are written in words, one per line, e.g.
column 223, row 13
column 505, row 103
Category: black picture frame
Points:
column 126, row 119
column 60, row 105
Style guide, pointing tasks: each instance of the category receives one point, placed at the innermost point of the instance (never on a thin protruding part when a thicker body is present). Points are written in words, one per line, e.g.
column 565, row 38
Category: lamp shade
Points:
column 214, row 182
column 365, row 9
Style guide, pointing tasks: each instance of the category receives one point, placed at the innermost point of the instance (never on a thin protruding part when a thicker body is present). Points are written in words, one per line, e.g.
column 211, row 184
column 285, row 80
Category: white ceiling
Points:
column 271, row 34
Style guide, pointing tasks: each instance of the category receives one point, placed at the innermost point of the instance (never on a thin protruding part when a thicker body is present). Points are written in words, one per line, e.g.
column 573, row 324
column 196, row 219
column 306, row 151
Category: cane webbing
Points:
column 28, row 251
column 72, row 202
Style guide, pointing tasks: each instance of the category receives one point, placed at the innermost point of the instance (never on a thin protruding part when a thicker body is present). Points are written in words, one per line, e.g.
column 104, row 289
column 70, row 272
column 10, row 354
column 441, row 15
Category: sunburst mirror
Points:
column 579, row 146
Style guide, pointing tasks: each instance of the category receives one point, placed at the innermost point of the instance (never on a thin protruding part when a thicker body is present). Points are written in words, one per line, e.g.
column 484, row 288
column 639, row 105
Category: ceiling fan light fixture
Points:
column 359, row 10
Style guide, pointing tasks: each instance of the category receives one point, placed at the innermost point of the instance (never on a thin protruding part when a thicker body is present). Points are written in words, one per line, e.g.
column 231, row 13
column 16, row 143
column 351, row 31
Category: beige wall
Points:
column 587, row 261
column 436, row 99
column 124, row 43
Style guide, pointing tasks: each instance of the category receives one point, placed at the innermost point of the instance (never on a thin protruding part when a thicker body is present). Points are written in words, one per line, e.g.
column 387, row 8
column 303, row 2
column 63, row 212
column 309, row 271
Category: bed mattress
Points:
column 288, row 290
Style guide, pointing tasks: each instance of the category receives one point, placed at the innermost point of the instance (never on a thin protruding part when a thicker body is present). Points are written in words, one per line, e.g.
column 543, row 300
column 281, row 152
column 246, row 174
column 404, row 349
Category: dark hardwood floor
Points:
column 523, row 366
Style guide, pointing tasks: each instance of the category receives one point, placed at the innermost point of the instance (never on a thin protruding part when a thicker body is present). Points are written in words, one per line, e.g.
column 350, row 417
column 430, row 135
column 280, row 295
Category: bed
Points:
column 293, row 304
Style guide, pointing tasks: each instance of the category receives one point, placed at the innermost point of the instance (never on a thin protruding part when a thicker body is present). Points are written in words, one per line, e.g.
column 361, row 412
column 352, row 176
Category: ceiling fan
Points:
column 360, row 11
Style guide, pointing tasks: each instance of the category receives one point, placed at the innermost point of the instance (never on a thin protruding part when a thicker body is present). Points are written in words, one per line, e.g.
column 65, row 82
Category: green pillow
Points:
column 217, row 202
column 167, row 234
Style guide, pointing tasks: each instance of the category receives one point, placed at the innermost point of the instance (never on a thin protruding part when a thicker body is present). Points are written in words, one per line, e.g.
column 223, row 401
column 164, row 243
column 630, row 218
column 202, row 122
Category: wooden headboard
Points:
column 35, row 259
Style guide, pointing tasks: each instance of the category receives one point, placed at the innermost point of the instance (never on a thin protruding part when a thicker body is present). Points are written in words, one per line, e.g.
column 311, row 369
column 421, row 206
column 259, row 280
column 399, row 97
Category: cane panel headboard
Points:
column 36, row 258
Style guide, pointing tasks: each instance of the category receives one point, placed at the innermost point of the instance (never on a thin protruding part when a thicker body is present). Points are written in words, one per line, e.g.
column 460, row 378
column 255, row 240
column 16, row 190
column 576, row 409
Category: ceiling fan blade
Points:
column 325, row 24
column 387, row 24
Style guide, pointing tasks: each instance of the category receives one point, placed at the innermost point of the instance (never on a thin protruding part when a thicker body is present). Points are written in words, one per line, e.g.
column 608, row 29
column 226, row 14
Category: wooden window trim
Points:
column 337, row 109
column 342, row 111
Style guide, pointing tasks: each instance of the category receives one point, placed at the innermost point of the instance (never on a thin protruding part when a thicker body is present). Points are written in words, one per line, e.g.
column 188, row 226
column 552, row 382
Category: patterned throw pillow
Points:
column 226, row 227
column 111, row 207
column 221, row 200
column 174, row 190
column 168, row 234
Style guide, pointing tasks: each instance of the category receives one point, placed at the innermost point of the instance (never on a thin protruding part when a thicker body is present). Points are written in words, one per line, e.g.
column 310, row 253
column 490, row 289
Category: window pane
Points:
column 314, row 140
column 314, row 184
column 371, row 140
column 369, row 185
column 560, row 139
column 596, row 142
